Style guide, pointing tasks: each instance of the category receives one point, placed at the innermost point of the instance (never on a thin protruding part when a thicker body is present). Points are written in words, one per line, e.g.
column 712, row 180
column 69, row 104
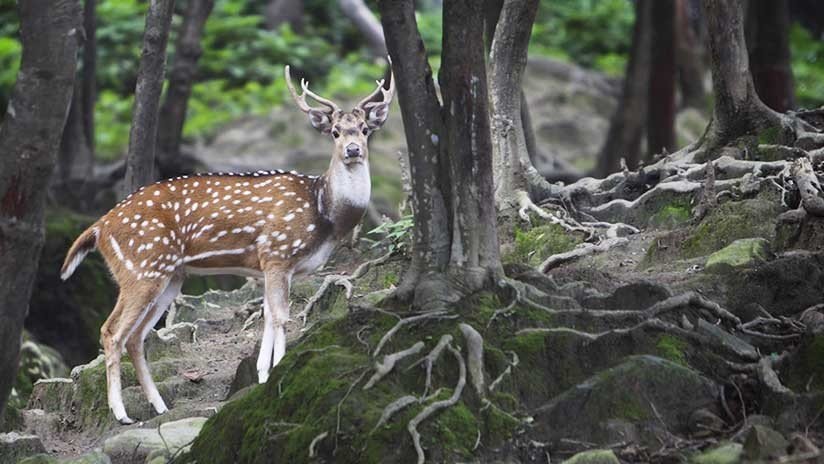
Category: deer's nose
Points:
column 353, row 150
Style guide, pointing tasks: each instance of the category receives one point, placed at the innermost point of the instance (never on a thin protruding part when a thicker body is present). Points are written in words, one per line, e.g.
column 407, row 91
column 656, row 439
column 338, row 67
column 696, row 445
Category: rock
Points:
column 189, row 308
column 135, row 445
column 764, row 443
column 14, row 446
column 729, row 453
column 95, row 457
column 245, row 375
column 593, row 457
column 166, row 342
column 797, row 230
column 740, row 253
column 52, row 395
column 634, row 296
column 705, row 423
column 648, row 391
column 813, row 319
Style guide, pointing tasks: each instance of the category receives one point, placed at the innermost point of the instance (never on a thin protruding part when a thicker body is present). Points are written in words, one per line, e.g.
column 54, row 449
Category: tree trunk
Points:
column 75, row 160
column 661, row 114
column 507, row 62
column 627, row 124
column 181, row 78
column 474, row 257
column 690, row 52
column 362, row 17
column 423, row 126
column 143, row 133
column 738, row 111
column 29, row 140
column 89, row 84
column 768, row 40
column 277, row 12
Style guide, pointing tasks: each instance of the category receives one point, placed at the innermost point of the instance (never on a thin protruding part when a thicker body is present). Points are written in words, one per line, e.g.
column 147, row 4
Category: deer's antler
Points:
column 300, row 100
column 368, row 102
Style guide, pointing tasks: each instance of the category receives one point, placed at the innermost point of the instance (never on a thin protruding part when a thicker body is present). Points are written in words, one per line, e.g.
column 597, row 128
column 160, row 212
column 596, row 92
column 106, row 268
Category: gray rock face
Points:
column 594, row 457
column 95, row 457
column 15, row 446
column 134, row 446
column 644, row 390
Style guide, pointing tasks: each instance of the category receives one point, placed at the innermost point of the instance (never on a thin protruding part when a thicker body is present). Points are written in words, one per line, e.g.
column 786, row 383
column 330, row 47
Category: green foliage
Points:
column 396, row 235
column 10, row 51
column 808, row 67
column 593, row 33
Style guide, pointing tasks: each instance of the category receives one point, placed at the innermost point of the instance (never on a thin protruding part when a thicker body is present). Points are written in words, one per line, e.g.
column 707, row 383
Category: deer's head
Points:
column 349, row 130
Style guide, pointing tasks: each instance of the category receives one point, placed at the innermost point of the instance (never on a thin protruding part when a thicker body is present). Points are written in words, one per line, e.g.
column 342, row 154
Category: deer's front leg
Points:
column 275, row 317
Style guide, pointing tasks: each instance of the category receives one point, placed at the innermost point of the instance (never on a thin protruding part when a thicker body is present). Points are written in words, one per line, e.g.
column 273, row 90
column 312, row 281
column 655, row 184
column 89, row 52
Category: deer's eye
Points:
column 335, row 134
column 365, row 131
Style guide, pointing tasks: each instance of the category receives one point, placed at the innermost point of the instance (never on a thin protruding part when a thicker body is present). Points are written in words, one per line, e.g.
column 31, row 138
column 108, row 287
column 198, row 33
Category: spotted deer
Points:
column 268, row 224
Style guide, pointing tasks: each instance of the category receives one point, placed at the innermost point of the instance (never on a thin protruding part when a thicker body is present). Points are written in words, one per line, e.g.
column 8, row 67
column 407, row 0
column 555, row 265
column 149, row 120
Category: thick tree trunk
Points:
column 423, row 126
column 76, row 160
column 474, row 258
column 89, row 84
column 366, row 22
column 507, row 62
column 661, row 114
column 690, row 53
column 768, row 40
column 738, row 111
column 29, row 140
column 143, row 133
column 181, row 78
column 627, row 124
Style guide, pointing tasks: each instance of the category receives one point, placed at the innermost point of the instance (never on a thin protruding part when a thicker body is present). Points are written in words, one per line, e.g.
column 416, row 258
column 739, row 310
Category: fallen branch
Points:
column 579, row 252
column 389, row 361
column 412, row 426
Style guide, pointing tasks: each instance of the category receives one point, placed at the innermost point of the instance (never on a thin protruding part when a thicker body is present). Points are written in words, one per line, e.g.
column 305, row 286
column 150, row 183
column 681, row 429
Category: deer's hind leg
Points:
column 134, row 344
column 133, row 303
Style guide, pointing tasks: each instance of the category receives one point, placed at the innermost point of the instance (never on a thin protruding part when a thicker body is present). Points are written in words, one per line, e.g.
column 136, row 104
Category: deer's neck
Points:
column 343, row 195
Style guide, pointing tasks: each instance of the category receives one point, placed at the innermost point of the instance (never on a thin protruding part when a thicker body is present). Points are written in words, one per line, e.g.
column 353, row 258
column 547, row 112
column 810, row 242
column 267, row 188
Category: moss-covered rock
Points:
column 728, row 453
column 805, row 370
column 594, row 457
column 764, row 444
column 645, row 391
column 740, row 253
column 134, row 446
column 95, row 457
column 15, row 446
column 671, row 215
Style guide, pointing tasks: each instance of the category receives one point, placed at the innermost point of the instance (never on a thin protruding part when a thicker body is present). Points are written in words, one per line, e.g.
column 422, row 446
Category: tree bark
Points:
column 474, row 256
column 29, row 140
column 143, row 133
column 366, row 22
column 627, row 125
column 89, row 84
column 507, row 62
column 181, row 78
column 423, row 127
column 661, row 114
column 738, row 111
column 690, row 53
column 768, row 40
column 75, row 160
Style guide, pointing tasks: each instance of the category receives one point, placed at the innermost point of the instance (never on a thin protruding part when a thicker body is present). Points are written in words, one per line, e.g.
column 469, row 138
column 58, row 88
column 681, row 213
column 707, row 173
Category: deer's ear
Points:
column 320, row 121
column 376, row 114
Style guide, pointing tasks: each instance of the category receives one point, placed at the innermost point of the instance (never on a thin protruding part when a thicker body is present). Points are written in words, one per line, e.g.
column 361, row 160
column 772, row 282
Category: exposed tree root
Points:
column 691, row 299
column 507, row 371
column 340, row 405
column 340, row 280
column 585, row 249
column 315, row 442
column 409, row 320
column 430, row 359
column 812, row 197
column 394, row 407
column 389, row 361
column 432, row 408
column 475, row 357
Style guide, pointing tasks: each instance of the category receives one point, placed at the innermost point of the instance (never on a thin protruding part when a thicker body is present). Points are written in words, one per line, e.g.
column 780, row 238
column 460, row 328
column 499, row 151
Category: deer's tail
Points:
column 86, row 242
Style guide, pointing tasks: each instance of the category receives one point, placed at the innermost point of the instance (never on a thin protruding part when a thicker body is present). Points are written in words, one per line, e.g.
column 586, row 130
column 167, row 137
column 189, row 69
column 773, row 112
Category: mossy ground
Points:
column 531, row 246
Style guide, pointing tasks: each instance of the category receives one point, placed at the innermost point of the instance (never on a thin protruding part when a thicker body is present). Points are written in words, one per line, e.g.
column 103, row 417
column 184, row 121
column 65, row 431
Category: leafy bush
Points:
column 808, row 67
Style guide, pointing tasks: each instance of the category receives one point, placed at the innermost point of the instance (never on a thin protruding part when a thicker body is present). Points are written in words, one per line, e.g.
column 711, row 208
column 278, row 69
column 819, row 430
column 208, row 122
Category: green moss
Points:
column 594, row 457
column 672, row 215
column 729, row 222
column 770, row 136
column 672, row 348
column 742, row 252
column 499, row 426
column 806, row 369
column 729, row 453
column 536, row 244
column 390, row 279
column 456, row 428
